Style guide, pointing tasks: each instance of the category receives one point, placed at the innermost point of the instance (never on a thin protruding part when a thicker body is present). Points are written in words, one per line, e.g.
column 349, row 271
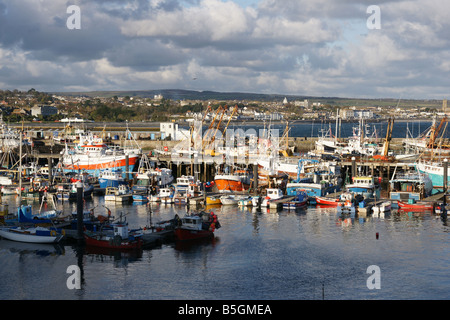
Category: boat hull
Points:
column 230, row 184
column 103, row 243
column 29, row 238
column 93, row 166
column 187, row 234
column 327, row 202
column 419, row 206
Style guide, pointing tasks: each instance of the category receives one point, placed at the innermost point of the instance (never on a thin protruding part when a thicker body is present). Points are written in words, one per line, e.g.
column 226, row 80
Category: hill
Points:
column 178, row 94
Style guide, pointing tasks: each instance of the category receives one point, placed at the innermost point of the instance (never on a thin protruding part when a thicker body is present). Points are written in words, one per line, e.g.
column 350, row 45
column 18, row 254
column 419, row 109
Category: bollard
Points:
column 80, row 211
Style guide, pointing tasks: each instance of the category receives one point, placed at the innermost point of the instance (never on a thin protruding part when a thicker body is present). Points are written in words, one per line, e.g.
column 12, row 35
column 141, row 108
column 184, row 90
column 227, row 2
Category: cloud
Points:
column 320, row 47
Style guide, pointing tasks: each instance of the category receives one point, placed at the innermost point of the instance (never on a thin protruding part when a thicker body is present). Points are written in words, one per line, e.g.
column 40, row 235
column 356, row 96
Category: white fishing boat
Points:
column 31, row 235
column 92, row 155
column 122, row 193
column 271, row 194
column 165, row 195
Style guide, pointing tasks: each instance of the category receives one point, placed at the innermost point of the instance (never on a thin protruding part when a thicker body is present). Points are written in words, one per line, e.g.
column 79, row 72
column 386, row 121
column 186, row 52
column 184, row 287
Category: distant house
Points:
column 43, row 110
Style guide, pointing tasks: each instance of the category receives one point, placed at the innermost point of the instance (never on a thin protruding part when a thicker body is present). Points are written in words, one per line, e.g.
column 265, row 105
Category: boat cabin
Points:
column 121, row 230
column 274, row 193
column 192, row 222
column 165, row 192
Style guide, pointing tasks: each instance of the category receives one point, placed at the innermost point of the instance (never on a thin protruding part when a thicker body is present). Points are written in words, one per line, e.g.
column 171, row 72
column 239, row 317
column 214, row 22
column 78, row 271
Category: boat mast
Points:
column 20, row 167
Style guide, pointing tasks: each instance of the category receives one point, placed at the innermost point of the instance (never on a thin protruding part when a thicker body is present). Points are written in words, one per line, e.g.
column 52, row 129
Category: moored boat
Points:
column 347, row 207
column 272, row 194
column 382, row 207
column 119, row 239
column 412, row 205
column 31, row 235
column 111, row 178
column 299, row 201
column 229, row 200
column 235, row 182
column 196, row 226
column 122, row 193
column 245, row 201
column 213, row 200
column 327, row 201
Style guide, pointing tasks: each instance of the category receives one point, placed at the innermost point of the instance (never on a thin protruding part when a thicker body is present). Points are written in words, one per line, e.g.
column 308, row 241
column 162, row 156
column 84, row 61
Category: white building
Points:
column 170, row 129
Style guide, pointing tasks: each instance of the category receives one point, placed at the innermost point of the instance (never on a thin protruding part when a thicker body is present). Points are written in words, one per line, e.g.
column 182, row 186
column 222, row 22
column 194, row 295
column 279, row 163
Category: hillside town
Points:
column 32, row 105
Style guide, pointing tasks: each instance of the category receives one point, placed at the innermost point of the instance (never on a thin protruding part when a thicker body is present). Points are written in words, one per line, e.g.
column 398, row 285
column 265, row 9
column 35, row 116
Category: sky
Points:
column 295, row 47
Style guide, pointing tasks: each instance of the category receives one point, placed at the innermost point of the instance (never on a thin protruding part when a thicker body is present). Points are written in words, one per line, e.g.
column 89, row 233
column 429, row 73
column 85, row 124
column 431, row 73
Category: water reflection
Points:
column 38, row 249
column 314, row 247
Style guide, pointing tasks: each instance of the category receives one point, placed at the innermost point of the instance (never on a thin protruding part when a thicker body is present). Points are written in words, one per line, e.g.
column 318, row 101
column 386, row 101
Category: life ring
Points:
column 53, row 233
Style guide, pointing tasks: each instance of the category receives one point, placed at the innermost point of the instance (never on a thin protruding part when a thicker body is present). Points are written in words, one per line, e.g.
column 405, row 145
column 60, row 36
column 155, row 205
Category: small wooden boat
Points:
column 31, row 235
column 212, row 200
column 419, row 205
column 196, row 226
column 324, row 201
column 382, row 208
column 229, row 200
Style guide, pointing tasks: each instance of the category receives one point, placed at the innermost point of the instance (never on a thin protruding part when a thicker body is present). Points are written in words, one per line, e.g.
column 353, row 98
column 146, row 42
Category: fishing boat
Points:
column 165, row 195
column 411, row 185
column 92, row 155
column 299, row 201
column 435, row 171
column 237, row 181
column 69, row 192
column 317, row 179
column 140, row 197
column 366, row 186
column 412, row 205
column 120, row 238
column 147, row 176
column 122, row 193
column 31, row 235
column 111, row 178
column 183, row 183
column 271, row 195
column 196, row 226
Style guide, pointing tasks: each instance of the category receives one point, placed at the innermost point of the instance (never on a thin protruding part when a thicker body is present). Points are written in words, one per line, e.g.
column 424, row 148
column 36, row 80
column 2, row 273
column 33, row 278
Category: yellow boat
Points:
column 211, row 200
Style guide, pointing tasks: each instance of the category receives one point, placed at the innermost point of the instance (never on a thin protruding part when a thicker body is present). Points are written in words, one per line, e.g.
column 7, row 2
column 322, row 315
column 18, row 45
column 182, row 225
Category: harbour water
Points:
column 318, row 128
column 310, row 254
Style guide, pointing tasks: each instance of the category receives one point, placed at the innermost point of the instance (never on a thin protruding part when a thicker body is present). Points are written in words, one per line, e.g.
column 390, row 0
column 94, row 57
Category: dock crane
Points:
column 210, row 140
column 385, row 153
column 434, row 133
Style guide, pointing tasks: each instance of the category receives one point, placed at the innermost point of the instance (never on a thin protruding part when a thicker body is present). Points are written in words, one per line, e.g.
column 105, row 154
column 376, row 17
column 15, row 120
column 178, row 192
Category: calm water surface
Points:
column 305, row 255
